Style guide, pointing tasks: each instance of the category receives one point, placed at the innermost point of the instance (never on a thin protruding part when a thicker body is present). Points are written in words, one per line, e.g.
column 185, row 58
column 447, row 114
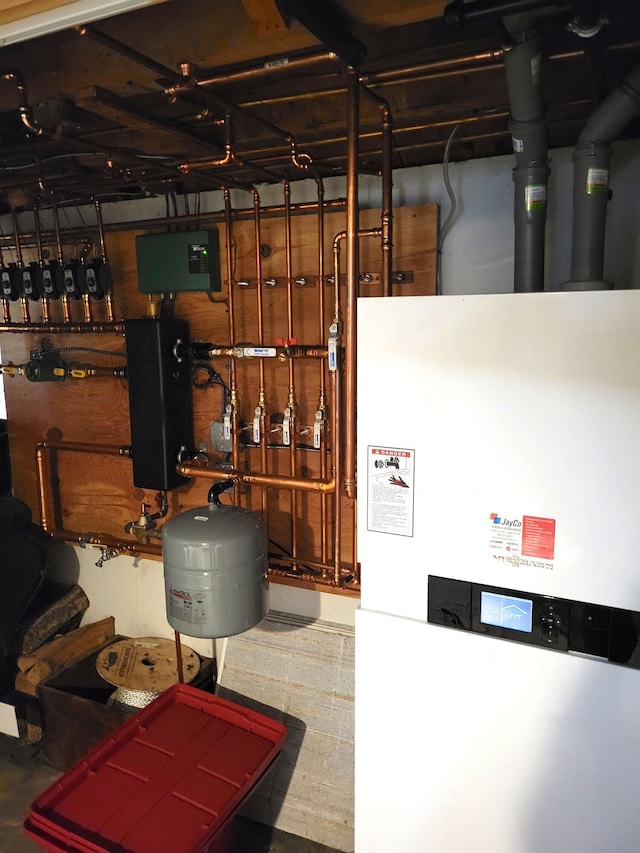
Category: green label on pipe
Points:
column 597, row 180
column 535, row 196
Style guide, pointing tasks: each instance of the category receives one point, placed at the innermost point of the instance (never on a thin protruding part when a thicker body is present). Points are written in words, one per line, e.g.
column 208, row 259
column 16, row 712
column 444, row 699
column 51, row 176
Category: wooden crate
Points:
column 76, row 716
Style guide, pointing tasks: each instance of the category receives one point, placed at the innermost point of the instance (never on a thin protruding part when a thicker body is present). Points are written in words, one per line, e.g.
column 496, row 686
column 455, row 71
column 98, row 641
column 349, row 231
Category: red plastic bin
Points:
column 171, row 778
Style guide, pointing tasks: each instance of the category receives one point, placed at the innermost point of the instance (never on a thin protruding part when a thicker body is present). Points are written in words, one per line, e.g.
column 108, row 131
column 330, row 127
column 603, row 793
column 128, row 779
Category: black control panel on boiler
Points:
column 540, row 620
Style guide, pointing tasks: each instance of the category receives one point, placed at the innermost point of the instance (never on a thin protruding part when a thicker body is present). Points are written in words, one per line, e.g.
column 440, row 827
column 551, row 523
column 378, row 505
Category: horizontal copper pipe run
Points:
column 303, row 484
column 282, row 353
column 282, row 67
column 71, row 234
column 64, row 328
column 287, row 560
column 102, row 540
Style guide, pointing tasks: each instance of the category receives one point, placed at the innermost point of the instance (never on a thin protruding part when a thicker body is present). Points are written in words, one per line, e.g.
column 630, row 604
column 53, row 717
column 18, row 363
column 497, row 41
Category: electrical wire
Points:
column 448, row 223
column 80, row 349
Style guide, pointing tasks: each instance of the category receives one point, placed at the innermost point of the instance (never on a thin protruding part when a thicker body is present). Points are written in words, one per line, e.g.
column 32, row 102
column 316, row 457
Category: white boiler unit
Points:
column 498, row 666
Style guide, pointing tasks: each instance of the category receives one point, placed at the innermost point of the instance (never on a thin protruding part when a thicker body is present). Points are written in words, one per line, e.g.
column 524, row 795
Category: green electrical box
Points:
column 178, row 262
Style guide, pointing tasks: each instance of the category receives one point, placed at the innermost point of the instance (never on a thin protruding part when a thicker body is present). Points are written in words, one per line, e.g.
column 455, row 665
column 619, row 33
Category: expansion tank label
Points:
column 187, row 605
column 390, row 490
column 522, row 540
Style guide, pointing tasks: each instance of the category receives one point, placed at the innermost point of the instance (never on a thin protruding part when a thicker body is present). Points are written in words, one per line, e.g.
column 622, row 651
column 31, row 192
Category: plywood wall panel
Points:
column 96, row 494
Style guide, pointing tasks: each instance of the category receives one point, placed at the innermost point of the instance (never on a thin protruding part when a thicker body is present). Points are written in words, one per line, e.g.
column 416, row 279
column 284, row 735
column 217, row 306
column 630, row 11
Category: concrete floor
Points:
column 24, row 775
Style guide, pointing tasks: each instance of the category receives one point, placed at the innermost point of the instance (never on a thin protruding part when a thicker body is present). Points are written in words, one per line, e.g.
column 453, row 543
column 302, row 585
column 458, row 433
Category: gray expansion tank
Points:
column 215, row 570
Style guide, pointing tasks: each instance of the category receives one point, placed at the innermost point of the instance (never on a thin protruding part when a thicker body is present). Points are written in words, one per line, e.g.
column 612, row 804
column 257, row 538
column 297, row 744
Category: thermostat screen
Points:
column 506, row 611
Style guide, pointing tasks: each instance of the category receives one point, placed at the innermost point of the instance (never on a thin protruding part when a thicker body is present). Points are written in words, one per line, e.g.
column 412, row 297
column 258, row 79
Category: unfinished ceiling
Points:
column 191, row 95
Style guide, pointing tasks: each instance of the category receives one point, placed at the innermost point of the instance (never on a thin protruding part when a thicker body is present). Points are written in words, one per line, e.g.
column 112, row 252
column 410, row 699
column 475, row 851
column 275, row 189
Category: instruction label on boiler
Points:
column 390, row 490
column 522, row 540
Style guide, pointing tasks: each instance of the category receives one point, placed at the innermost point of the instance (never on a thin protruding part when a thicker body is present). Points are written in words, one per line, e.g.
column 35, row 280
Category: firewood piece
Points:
column 57, row 616
column 61, row 652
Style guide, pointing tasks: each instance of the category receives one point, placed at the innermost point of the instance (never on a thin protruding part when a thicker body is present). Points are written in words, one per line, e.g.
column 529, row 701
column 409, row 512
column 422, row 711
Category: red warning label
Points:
column 538, row 537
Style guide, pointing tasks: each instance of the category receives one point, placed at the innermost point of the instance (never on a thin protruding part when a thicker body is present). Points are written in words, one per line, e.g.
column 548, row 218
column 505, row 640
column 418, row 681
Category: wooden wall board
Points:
column 96, row 494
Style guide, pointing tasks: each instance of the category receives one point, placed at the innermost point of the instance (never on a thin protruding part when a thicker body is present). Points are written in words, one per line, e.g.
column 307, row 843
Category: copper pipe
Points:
column 283, row 66
column 6, row 315
column 46, row 311
column 26, row 113
column 228, row 227
column 321, row 367
column 43, row 470
column 387, row 201
column 181, row 83
column 336, row 444
column 291, row 400
column 321, row 567
column 86, row 308
column 419, row 70
column 179, row 658
column 63, row 328
column 353, row 214
column 282, row 353
column 108, row 303
column 24, row 299
column 302, row 484
column 262, row 400
column 272, row 211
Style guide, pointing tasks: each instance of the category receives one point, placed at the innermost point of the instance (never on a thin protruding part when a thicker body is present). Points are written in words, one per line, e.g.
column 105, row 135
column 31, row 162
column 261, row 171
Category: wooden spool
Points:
column 147, row 665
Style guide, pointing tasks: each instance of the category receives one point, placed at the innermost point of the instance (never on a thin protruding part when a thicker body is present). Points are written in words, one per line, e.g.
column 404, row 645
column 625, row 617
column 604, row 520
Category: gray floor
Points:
column 23, row 776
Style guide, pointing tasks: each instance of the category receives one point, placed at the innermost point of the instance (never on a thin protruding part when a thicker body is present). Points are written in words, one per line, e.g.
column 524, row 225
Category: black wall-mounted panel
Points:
column 160, row 403
column 610, row 633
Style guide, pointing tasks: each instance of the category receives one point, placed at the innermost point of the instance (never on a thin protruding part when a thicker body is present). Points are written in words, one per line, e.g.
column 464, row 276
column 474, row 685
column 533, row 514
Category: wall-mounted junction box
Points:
column 178, row 262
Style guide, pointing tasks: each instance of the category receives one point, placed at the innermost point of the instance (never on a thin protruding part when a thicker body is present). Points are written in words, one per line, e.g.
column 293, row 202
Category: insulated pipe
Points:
column 591, row 161
column 529, row 133
column 351, row 320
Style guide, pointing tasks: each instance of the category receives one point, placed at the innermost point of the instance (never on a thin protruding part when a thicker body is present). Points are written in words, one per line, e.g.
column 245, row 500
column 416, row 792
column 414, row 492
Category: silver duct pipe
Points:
column 591, row 161
column 528, row 128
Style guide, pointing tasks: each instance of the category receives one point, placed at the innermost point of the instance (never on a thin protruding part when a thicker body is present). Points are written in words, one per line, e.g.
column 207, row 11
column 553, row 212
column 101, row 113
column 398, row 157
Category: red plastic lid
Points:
column 165, row 780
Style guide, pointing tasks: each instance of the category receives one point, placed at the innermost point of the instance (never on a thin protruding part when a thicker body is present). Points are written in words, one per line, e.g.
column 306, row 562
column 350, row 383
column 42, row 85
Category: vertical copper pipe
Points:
column 336, row 440
column 321, row 368
column 262, row 401
column 351, row 319
column 108, row 302
column 24, row 299
column 46, row 312
column 291, row 401
column 108, row 297
column 355, row 542
column 179, row 657
column 6, row 312
column 228, row 223
column 387, row 202
column 66, row 311
column 86, row 308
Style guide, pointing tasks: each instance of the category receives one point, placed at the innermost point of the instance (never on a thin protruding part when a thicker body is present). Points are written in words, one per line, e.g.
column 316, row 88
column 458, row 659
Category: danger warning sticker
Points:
column 390, row 490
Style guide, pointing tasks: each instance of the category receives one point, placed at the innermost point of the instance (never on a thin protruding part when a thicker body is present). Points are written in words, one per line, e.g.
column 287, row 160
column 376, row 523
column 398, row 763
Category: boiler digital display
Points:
column 506, row 611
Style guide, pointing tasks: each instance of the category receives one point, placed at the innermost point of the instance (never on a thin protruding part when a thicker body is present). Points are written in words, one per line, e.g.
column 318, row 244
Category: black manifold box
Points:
column 160, row 402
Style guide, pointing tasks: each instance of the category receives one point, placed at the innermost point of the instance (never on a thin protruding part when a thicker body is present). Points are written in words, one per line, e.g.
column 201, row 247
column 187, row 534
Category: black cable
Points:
column 79, row 349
